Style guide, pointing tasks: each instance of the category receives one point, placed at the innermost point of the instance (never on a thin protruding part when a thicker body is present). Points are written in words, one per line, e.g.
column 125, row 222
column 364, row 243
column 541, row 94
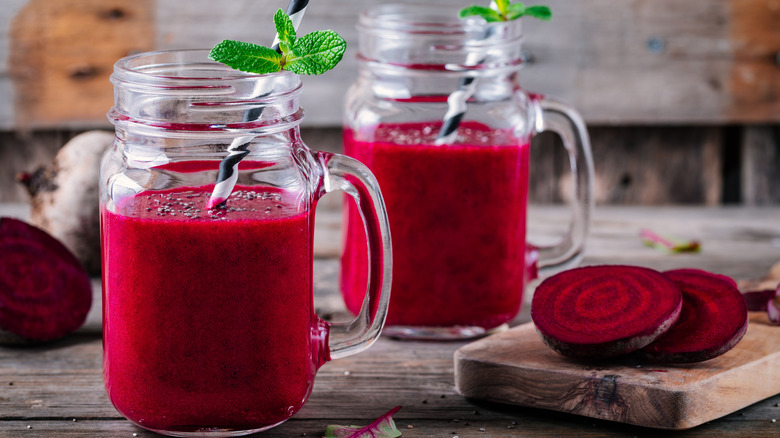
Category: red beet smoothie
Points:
column 457, row 217
column 209, row 322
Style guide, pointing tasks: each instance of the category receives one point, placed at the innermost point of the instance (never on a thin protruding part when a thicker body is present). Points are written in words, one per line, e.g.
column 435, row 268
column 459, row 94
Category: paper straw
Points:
column 239, row 148
column 228, row 170
column 295, row 11
column 456, row 101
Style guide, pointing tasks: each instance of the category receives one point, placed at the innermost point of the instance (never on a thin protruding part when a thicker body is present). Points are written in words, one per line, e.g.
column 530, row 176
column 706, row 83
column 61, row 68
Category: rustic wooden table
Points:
column 56, row 390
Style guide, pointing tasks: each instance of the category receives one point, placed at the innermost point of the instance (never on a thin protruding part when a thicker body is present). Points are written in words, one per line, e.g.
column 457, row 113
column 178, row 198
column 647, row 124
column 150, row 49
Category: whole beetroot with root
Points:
column 64, row 196
column 45, row 293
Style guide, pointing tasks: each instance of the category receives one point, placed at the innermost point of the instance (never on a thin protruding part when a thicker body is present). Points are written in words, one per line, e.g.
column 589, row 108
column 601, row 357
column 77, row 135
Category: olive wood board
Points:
column 516, row 367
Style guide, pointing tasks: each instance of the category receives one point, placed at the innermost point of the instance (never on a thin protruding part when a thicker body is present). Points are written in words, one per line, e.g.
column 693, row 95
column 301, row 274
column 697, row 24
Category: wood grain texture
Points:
column 516, row 367
column 62, row 53
column 738, row 242
column 760, row 183
column 46, row 387
column 754, row 84
column 636, row 165
column 627, row 62
column 633, row 164
column 28, row 151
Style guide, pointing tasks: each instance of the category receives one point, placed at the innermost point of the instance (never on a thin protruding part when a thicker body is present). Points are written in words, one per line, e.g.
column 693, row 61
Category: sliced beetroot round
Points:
column 45, row 293
column 604, row 311
column 713, row 319
column 722, row 277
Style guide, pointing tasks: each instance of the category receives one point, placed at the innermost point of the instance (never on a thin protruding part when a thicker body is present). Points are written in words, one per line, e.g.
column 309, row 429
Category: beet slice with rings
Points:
column 604, row 311
column 45, row 293
column 695, row 271
column 713, row 320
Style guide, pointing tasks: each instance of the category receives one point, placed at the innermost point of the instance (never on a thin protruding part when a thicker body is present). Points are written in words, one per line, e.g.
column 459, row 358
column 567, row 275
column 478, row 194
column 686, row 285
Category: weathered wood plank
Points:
column 55, row 383
column 28, row 151
column 528, row 423
column 636, row 165
column 7, row 14
column 761, row 165
column 740, row 242
column 62, row 53
column 754, row 83
column 636, row 62
column 508, row 367
column 630, row 62
column 417, row 376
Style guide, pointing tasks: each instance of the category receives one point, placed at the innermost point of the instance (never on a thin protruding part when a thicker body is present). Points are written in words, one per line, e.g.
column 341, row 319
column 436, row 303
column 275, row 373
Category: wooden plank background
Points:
column 682, row 97
column 55, row 383
column 627, row 62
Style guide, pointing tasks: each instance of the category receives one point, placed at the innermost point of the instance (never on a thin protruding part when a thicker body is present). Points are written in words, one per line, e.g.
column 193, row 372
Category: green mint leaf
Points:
column 311, row 54
column 488, row 14
column 284, row 29
column 503, row 10
column 285, row 48
column 540, row 12
column 247, row 57
column 502, row 6
column 515, row 11
column 383, row 427
column 315, row 53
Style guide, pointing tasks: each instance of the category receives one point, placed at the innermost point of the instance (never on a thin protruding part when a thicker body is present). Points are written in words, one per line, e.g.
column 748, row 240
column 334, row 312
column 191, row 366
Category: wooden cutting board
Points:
column 515, row 367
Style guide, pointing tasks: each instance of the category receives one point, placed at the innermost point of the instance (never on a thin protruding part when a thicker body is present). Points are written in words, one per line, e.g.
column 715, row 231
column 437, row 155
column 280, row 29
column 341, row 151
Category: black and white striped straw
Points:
column 239, row 148
column 456, row 101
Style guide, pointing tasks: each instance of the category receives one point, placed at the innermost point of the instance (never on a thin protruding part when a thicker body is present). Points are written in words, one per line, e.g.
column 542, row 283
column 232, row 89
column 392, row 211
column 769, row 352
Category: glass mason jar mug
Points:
column 439, row 117
column 209, row 326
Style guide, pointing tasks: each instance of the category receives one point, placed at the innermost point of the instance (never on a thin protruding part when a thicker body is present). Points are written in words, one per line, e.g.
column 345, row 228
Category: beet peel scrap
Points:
column 713, row 320
column 758, row 300
column 45, row 293
column 604, row 311
column 773, row 308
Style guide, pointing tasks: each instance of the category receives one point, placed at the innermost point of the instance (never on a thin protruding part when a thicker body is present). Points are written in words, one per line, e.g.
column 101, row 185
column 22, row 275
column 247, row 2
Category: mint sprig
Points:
column 247, row 57
column 312, row 54
column 316, row 53
column 285, row 30
column 503, row 10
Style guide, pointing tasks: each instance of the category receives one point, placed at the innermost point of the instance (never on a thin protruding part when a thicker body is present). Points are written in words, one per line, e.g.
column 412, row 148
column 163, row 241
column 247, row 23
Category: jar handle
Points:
column 353, row 177
column 552, row 115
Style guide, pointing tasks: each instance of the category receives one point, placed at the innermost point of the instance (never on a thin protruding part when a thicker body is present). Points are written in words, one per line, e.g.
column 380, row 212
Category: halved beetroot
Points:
column 713, row 319
column 604, row 311
column 45, row 293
